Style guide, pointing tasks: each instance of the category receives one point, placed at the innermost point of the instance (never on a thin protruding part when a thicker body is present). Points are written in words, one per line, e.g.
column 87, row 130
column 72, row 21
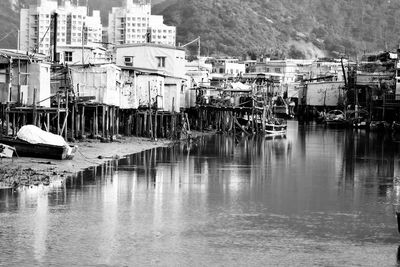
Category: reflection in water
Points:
column 317, row 197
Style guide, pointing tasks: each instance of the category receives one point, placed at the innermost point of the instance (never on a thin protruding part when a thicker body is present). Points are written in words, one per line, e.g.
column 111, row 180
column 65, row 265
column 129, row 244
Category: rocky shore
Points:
column 24, row 171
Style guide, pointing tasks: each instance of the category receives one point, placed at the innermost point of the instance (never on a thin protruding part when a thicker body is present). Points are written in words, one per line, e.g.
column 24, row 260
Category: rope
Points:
column 86, row 158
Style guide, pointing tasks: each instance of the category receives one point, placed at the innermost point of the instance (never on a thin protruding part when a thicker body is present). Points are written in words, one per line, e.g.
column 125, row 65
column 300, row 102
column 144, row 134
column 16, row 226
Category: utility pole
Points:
column 55, row 26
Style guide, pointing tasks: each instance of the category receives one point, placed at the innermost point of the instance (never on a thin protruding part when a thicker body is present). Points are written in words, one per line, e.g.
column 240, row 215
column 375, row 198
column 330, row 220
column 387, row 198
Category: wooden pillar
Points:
column 34, row 107
column 48, row 122
column 136, row 123
column 107, row 121
column 144, row 133
column 118, row 120
column 155, row 125
column 58, row 113
column 83, row 120
column 13, row 125
column 73, row 121
column 103, row 120
column 7, row 118
column 96, row 120
column 162, row 125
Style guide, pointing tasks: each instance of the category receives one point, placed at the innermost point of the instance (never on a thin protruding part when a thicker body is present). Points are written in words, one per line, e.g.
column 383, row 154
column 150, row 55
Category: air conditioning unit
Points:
column 128, row 61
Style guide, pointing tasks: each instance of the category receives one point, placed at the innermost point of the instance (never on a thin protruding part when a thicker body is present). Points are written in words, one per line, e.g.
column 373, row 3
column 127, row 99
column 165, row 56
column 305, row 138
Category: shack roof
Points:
column 22, row 55
column 151, row 45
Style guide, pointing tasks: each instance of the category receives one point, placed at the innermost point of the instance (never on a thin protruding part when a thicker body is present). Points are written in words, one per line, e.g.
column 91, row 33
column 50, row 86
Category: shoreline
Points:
column 27, row 171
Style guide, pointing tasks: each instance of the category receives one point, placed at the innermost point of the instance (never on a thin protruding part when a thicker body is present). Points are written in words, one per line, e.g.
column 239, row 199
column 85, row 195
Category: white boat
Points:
column 6, row 151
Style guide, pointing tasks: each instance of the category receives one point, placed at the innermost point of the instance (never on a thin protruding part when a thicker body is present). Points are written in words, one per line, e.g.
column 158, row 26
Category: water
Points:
column 317, row 198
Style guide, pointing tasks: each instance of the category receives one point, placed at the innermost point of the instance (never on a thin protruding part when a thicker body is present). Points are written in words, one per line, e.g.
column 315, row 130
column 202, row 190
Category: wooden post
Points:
column 48, row 122
column 118, row 121
column 104, row 120
column 34, row 107
column 3, row 116
column 96, row 120
column 150, row 115
column 264, row 118
column 66, row 111
column 13, row 125
column 58, row 113
column 39, row 120
column 233, row 122
column 83, row 120
column 155, row 125
column 201, row 120
column 19, row 83
column 162, row 125
column 107, row 121
column 144, row 124
column 137, row 123
column 73, row 121
column 7, row 118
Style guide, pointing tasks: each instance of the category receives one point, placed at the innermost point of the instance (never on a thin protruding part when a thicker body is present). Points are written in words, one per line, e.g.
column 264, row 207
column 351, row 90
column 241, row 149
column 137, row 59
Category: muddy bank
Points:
column 26, row 171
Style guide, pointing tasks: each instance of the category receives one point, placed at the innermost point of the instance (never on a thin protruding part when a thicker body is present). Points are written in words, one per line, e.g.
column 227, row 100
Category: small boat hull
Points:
column 25, row 149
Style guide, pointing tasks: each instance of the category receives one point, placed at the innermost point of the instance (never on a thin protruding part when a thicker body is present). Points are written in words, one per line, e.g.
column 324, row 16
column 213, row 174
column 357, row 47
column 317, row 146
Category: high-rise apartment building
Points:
column 133, row 23
column 74, row 26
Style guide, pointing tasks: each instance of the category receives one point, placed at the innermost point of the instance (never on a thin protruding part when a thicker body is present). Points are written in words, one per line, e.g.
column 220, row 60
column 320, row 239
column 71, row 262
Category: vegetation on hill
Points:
column 301, row 28
column 280, row 28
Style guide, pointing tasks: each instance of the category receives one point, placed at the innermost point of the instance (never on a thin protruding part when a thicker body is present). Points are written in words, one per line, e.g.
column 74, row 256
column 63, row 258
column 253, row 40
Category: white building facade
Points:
column 74, row 26
column 133, row 23
column 158, row 60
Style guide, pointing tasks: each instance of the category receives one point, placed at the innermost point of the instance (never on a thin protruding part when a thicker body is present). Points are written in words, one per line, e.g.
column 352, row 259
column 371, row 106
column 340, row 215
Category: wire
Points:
column 6, row 35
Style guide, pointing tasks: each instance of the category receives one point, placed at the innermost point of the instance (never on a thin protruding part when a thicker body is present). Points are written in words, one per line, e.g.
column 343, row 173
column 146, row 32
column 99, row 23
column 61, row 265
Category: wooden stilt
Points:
column 104, row 120
column 83, row 120
column 48, row 122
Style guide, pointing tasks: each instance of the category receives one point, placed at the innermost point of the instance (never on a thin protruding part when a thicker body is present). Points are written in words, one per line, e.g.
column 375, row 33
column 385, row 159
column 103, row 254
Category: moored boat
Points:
column 335, row 118
column 25, row 149
column 275, row 127
column 358, row 119
column 378, row 126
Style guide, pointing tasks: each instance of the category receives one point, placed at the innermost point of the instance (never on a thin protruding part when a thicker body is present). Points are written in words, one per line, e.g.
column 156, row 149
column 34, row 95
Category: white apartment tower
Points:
column 74, row 26
column 133, row 23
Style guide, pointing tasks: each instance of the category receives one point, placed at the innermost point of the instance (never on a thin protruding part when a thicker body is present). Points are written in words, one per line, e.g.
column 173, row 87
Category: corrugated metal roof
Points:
column 15, row 54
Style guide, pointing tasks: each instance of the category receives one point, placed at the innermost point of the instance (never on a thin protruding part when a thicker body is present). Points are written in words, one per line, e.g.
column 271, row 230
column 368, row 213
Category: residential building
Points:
column 24, row 79
column 133, row 23
column 75, row 27
column 160, row 60
column 228, row 66
column 98, row 81
column 77, row 55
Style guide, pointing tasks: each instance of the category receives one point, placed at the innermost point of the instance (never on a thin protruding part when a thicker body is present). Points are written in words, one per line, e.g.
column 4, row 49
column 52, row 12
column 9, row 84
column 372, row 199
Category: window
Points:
column 161, row 62
column 68, row 56
column 128, row 61
column 277, row 70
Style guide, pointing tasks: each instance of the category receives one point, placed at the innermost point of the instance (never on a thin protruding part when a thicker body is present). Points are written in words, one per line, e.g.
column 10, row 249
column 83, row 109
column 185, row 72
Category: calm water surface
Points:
column 316, row 198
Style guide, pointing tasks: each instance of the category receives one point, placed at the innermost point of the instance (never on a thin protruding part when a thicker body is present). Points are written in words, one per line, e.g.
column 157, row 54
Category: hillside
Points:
column 301, row 28
column 282, row 28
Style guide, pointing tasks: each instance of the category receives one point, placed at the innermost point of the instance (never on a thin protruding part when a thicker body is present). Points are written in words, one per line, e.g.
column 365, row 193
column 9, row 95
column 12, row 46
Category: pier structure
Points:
column 241, row 105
